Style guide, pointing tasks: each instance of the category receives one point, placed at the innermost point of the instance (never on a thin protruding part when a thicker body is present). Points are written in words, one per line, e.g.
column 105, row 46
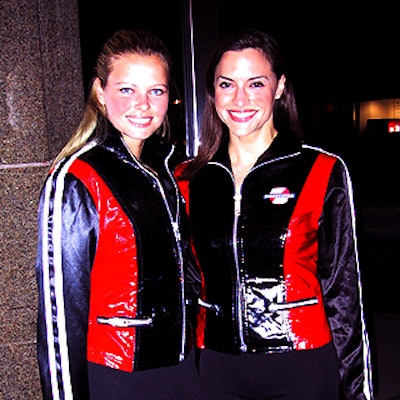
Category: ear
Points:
column 280, row 87
column 98, row 89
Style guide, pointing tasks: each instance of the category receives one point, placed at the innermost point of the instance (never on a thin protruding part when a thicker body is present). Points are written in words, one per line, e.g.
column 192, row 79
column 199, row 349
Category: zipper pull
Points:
column 237, row 198
column 176, row 230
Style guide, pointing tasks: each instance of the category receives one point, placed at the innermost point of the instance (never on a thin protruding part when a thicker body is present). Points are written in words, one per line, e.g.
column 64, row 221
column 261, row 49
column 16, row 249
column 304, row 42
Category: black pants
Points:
column 297, row 375
column 180, row 382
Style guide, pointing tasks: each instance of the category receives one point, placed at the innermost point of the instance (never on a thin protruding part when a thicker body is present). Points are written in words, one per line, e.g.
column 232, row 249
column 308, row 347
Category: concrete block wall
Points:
column 41, row 102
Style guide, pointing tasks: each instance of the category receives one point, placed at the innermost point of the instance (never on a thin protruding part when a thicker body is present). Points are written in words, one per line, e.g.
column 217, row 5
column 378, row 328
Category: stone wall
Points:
column 41, row 101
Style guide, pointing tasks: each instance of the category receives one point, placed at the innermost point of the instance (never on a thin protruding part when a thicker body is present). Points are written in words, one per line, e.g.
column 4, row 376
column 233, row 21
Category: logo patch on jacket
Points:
column 279, row 195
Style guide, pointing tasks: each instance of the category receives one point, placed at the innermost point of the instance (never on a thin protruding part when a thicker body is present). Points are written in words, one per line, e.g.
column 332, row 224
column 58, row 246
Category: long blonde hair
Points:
column 137, row 41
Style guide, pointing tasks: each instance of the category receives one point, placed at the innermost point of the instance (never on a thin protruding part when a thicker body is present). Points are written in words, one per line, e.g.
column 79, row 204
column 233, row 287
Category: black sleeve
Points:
column 68, row 227
column 341, row 284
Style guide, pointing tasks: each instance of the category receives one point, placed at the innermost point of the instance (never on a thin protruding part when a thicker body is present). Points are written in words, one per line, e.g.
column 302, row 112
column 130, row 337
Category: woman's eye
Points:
column 157, row 92
column 224, row 85
column 126, row 90
column 257, row 84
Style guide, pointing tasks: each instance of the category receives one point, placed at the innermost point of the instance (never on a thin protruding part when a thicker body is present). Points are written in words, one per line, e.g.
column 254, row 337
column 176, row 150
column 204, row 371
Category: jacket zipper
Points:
column 237, row 198
column 175, row 227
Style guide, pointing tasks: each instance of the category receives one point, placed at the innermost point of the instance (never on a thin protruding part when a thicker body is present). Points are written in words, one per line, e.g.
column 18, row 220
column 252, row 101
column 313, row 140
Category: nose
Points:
column 241, row 97
column 142, row 102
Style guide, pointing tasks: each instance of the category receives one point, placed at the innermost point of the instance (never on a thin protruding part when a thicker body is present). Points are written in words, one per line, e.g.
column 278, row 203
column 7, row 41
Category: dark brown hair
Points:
column 212, row 129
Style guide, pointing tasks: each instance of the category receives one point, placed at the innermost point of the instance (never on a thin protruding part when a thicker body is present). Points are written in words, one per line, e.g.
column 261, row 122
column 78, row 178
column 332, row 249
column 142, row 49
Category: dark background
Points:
column 341, row 52
column 97, row 24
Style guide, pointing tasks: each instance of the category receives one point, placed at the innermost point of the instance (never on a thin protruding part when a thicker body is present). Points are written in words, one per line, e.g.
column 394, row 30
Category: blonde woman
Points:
column 115, row 273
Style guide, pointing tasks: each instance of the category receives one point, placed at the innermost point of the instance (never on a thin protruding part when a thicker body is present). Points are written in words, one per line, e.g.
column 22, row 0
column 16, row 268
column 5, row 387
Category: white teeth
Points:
column 139, row 121
column 242, row 114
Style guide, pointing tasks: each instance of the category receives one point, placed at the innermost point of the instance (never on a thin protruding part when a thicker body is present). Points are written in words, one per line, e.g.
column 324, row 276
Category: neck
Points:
column 245, row 153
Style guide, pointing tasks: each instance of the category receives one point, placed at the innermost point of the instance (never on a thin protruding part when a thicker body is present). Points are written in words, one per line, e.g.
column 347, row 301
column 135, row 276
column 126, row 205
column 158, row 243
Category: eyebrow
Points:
column 135, row 85
column 223, row 77
column 251, row 79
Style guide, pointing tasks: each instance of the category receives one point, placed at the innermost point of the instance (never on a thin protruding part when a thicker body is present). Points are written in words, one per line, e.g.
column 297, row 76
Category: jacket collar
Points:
column 155, row 150
column 284, row 144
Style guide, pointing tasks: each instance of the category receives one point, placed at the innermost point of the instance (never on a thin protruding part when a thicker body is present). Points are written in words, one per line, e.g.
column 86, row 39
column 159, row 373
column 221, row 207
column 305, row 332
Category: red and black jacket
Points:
column 279, row 259
column 114, row 266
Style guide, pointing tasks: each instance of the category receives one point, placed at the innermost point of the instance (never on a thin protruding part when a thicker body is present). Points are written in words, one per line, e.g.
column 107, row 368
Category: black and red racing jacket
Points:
column 279, row 258
column 115, row 271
